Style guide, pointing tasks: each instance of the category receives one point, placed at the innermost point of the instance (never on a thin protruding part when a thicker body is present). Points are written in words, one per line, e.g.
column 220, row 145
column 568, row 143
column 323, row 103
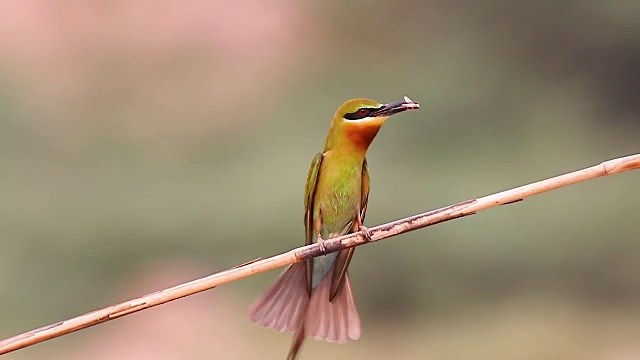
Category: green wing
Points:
column 344, row 256
column 364, row 196
column 309, row 199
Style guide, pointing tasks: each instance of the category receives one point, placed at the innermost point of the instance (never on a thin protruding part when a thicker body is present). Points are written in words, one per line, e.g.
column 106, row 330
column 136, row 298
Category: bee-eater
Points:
column 314, row 297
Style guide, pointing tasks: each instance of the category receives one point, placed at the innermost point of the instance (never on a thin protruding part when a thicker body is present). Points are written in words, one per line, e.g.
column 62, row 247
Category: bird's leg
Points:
column 321, row 244
column 318, row 225
column 363, row 229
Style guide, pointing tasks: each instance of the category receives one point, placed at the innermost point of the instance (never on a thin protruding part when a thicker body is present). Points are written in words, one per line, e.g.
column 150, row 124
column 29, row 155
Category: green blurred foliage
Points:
column 127, row 143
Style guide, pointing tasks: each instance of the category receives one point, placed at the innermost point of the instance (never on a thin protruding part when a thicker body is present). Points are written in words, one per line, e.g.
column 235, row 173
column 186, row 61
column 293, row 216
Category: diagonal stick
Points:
column 380, row 232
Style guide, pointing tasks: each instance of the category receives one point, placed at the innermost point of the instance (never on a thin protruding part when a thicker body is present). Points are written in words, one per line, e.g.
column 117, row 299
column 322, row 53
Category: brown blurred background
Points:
column 147, row 143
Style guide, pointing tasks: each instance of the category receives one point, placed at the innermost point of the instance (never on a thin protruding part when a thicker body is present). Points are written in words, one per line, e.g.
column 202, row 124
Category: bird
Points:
column 314, row 298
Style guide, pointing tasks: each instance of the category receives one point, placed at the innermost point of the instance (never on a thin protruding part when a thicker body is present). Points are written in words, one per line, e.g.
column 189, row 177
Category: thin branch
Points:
column 380, row 232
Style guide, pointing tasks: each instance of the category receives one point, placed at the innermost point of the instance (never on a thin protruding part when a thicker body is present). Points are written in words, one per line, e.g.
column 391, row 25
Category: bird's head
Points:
column 367, row 110
column 357, row 121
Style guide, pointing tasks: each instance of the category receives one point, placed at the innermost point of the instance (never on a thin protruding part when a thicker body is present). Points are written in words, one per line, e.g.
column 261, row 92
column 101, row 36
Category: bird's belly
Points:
column 338, row 202
column 337, row 221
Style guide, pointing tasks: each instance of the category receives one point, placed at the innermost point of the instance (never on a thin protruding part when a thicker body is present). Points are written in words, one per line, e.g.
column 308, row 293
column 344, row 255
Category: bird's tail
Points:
column 336, row 320
column 283, row 305
column 287, row 306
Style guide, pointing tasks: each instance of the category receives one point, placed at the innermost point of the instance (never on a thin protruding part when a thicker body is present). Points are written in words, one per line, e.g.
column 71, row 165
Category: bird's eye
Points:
column 361, row 113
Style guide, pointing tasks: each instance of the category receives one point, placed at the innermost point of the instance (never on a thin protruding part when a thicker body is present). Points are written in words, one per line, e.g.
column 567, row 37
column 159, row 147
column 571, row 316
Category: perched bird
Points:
column 314, row 298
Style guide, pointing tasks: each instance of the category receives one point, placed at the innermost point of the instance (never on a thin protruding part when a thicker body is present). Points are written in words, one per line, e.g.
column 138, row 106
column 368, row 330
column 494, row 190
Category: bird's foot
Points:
column 323, row 248
column 366, row 233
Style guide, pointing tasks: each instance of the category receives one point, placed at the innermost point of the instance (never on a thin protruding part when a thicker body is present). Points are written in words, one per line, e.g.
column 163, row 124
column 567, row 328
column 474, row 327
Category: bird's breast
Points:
column 338, row 194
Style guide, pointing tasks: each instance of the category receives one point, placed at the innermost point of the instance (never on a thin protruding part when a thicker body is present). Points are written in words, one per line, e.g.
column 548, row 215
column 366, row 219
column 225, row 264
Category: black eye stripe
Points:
column 359, row 114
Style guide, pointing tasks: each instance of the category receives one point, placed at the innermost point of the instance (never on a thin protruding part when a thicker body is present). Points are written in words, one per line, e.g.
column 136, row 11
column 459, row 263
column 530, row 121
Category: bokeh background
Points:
column 148, row 143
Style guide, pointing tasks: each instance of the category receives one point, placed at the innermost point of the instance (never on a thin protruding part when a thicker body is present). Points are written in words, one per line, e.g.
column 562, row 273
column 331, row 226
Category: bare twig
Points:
column 384, row 231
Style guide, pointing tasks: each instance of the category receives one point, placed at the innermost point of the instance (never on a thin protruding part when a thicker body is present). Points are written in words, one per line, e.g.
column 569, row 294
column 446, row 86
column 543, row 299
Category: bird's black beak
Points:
column 396, row 107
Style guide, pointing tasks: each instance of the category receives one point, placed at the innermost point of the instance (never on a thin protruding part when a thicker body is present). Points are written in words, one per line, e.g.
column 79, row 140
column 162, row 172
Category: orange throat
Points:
column 360, row 135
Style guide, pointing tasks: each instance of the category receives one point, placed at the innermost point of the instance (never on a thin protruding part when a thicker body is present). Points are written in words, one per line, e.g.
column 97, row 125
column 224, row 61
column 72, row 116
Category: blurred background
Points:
column 144, row 144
